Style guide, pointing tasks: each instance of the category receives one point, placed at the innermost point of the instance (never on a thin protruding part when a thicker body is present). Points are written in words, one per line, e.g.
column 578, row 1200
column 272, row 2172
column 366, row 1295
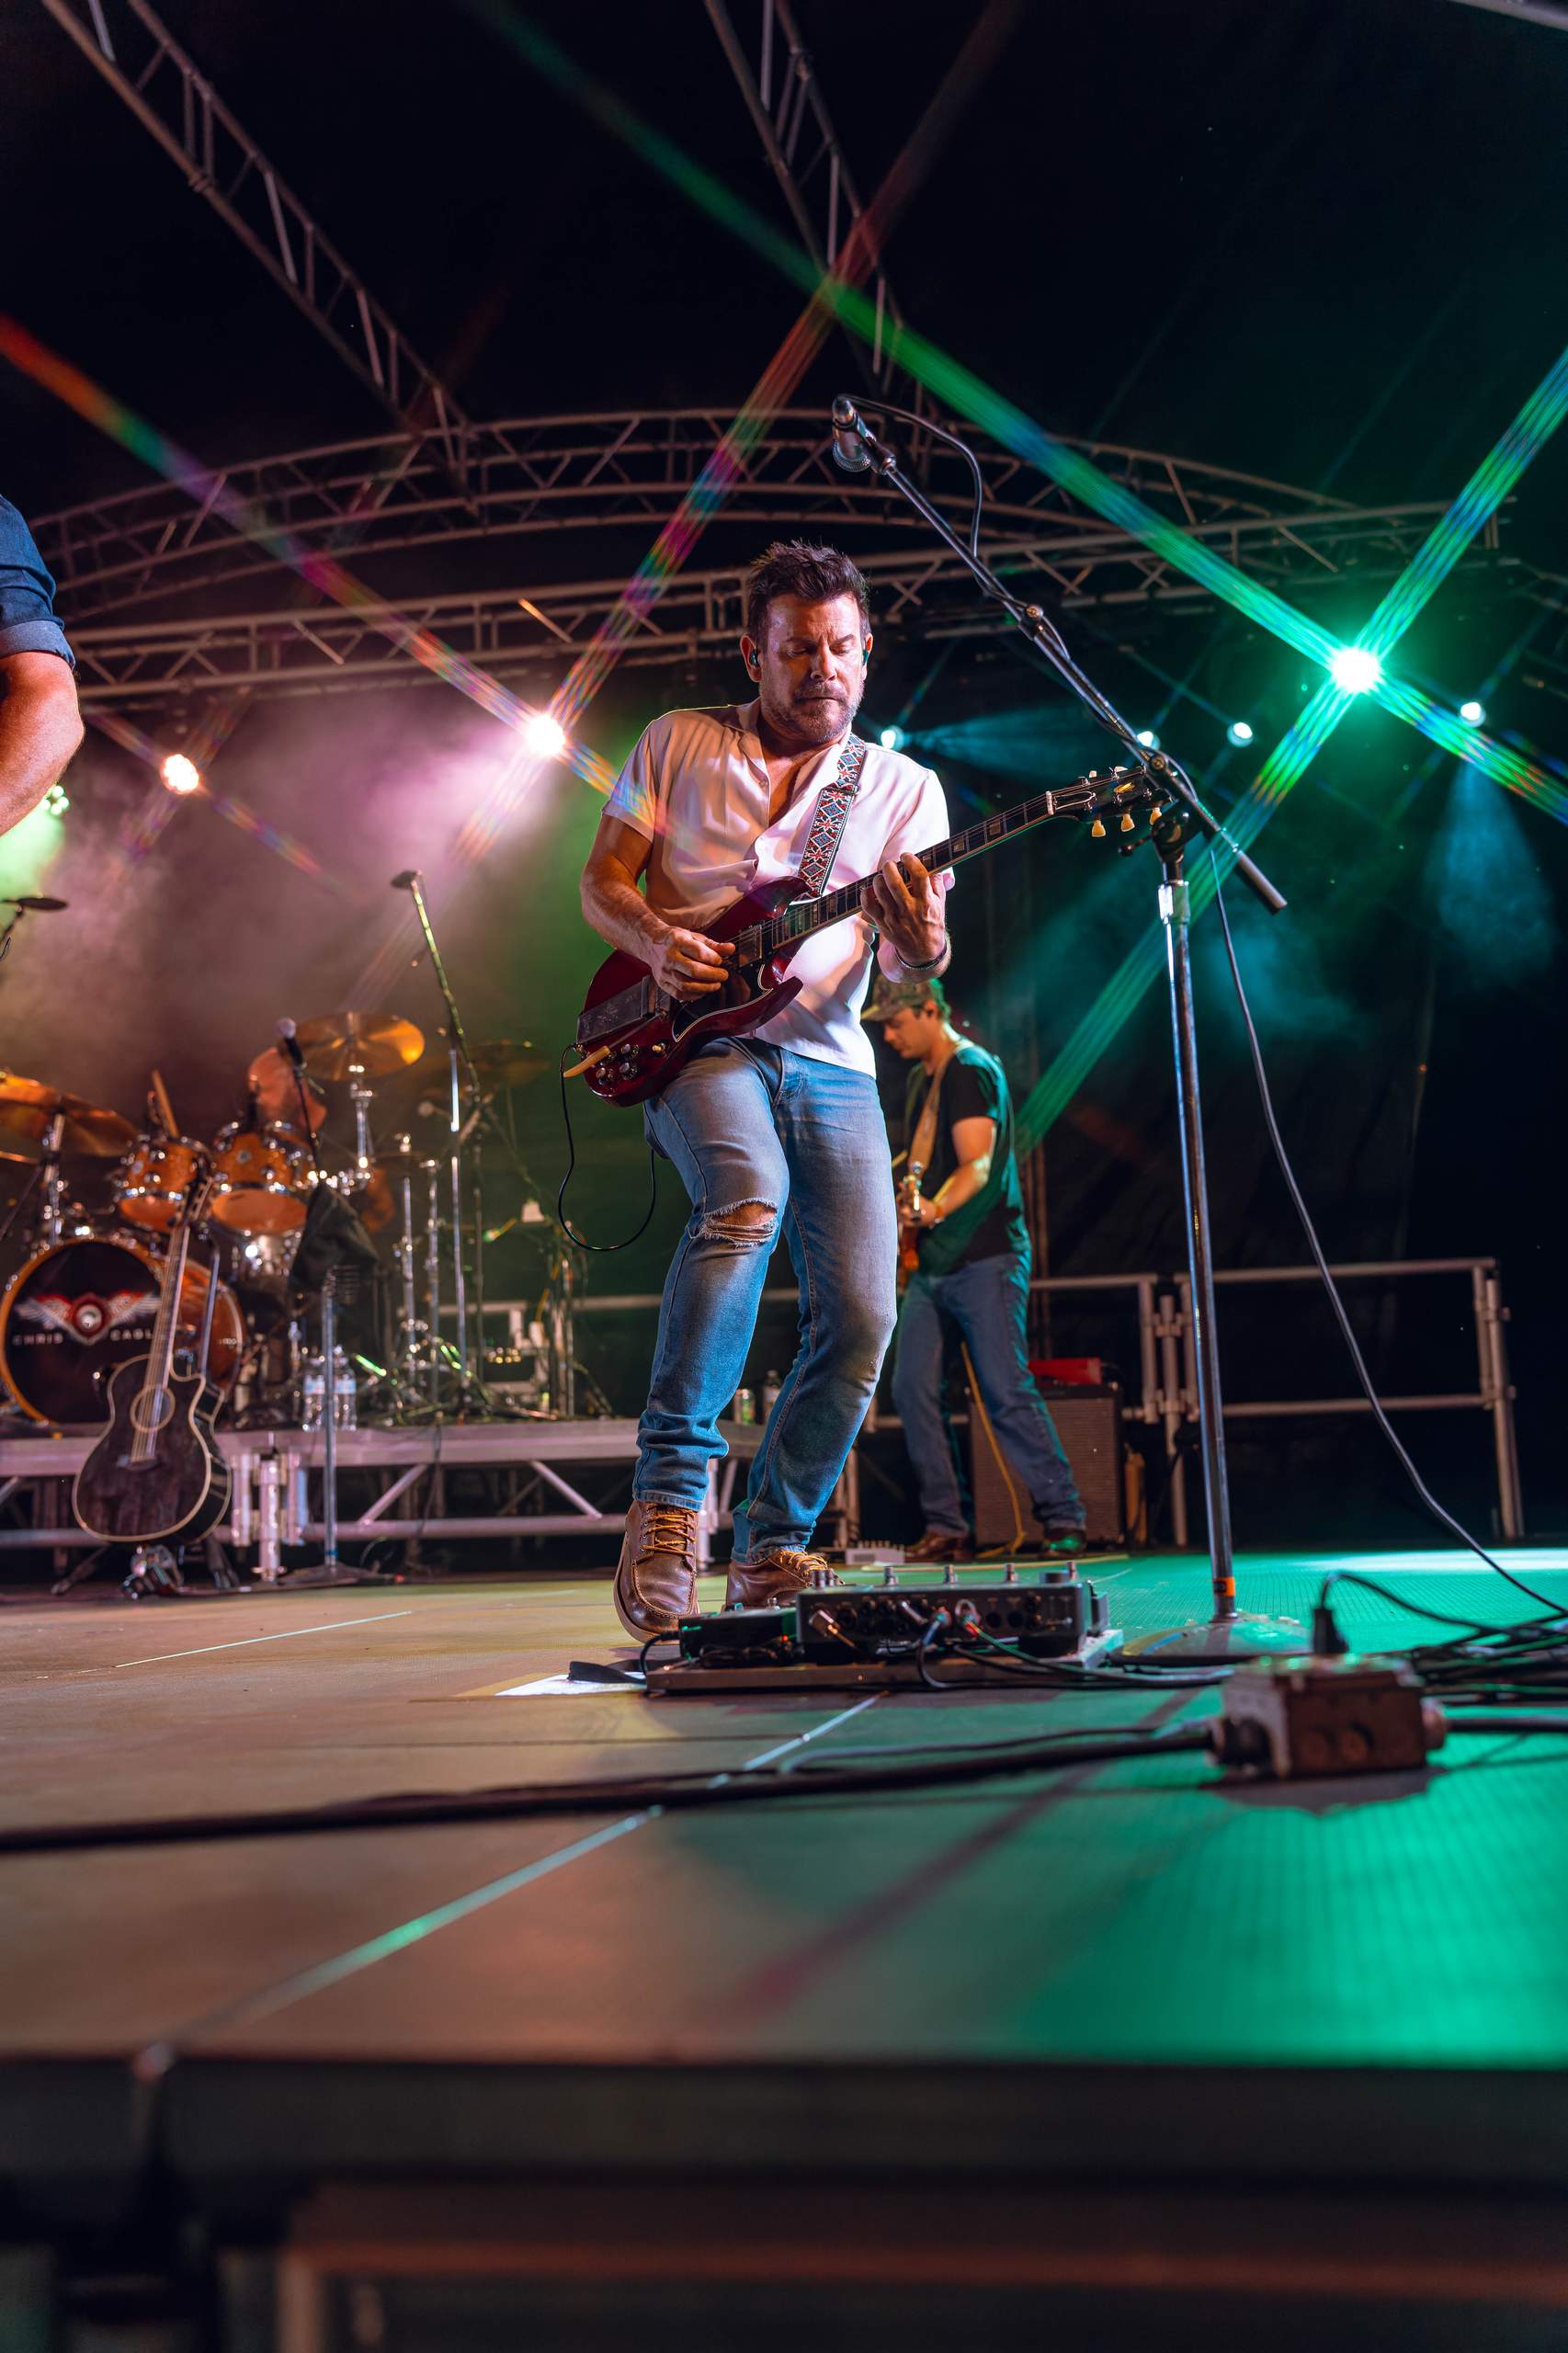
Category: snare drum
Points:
column 153, row 1178
column 260, row 1184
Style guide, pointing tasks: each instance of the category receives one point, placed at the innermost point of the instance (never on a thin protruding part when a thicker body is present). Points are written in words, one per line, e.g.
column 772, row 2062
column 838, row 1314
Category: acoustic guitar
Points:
column 634, row 1035
column 157, row 1471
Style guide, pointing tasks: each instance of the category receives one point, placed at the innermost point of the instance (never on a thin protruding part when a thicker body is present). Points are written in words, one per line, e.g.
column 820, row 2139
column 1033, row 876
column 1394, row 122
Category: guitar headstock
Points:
column 1111, row 800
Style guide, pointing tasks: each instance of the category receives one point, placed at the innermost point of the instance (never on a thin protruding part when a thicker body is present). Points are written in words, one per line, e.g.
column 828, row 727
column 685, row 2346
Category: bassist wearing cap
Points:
column 962, row 1214
column 778, row 1128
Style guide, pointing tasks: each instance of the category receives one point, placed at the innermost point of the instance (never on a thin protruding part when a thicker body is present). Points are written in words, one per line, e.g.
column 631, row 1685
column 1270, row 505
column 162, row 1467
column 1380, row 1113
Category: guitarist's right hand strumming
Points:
column 688, row 964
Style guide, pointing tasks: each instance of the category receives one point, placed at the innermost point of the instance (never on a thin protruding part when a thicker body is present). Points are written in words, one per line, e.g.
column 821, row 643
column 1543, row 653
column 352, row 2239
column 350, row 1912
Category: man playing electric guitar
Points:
column 966, row 1220
column 780, row 1127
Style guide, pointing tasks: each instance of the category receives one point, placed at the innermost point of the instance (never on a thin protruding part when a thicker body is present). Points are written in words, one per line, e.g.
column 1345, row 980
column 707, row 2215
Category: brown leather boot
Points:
column 773, row 1578
column 937, row 1544
column 655, row 1582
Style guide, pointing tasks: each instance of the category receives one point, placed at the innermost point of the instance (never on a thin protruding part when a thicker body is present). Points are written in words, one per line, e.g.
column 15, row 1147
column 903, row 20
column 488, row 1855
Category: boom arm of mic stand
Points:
column 1039, row 630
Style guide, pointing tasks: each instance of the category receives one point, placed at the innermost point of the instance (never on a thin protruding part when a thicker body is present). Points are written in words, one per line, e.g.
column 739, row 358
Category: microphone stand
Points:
column 1228, row 1632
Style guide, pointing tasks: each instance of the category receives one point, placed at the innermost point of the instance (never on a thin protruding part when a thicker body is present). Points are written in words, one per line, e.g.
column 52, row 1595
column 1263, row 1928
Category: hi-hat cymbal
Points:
column 29, row 1106
column 507, row 1062
column 336, row 1043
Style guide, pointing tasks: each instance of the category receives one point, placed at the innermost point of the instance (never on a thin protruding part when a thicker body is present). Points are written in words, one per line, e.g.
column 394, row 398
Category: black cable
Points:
column 1437, row 1510
column 603, row 1250
column 1413, row 1608
column 1500, row 1720
column 661, row 1793
column 886, row 408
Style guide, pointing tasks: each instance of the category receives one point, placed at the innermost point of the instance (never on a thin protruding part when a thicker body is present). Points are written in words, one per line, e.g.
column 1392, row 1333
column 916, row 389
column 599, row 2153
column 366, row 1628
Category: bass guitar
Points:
column 157, row 1471
column 634, row 1035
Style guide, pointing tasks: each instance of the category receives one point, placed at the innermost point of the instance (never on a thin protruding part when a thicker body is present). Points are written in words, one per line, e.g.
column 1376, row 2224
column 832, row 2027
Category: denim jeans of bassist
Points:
column 986, row 1299
column 753, row 1125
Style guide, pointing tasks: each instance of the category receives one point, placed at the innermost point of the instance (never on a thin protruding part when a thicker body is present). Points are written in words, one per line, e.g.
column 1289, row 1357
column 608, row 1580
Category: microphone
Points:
column 291, row 1043
column 406, row 880
column 848, row 450
column 38, row 906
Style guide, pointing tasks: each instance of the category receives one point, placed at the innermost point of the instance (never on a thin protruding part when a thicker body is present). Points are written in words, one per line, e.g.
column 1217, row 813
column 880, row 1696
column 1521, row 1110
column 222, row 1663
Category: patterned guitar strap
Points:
column 830, row 815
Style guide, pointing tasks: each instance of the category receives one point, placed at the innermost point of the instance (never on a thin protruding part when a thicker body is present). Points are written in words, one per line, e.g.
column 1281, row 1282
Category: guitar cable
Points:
column 600, row 1249
column 1438, row 1512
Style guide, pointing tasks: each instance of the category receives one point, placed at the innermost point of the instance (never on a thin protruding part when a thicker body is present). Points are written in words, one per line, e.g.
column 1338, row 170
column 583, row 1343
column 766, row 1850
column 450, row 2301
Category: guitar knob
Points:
column 1127, row 825
column 1097, row 829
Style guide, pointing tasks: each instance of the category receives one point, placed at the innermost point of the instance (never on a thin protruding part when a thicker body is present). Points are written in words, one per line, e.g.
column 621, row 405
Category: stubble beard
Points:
column 811, row 718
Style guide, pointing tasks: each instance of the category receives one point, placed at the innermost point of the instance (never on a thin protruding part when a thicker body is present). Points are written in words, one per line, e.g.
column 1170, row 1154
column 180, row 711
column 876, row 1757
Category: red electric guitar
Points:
column 634, row 1037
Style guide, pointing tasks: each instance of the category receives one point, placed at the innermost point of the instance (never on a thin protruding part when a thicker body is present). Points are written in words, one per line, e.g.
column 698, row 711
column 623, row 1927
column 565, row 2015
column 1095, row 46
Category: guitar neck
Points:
column 160, row 1354
column 803, row 916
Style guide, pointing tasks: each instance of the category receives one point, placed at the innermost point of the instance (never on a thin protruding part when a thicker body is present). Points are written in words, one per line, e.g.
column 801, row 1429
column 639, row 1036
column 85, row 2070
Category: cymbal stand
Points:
column 466, row 1106
column 51, row 1213
column 360, row 1093
column 330, row 1570
column 433, row 1279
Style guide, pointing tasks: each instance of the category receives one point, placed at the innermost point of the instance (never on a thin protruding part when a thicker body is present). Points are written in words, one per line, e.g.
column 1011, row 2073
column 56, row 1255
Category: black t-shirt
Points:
column 992, row 1225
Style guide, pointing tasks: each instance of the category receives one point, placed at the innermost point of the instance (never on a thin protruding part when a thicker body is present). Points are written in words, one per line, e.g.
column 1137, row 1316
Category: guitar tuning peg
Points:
column 1126, row 823
column 1097, row 829
column 1093, row 774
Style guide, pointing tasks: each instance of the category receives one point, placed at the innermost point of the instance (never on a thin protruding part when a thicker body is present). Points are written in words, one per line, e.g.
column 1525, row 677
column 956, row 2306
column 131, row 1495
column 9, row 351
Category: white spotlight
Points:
column 1240, row 731
column 544, row 736
column 892, row 739
column 181, row 775
column 1147, row 737
column 56, row 800
column 1355, row 670
column 1472, row 713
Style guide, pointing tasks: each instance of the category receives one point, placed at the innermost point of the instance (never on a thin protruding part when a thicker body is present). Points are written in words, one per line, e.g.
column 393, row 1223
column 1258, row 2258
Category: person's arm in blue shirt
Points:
column 41, row 726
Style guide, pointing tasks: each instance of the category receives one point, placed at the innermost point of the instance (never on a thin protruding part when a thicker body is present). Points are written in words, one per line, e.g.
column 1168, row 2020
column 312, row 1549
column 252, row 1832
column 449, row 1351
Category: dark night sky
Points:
column 1322, row 243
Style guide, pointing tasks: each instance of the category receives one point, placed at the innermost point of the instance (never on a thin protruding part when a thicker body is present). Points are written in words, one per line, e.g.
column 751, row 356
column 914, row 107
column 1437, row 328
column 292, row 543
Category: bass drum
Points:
column 79, row 1308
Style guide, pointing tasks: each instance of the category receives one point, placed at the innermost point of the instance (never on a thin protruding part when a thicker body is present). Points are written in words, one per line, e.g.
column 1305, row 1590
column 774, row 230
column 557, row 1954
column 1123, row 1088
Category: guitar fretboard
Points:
column 802, row 916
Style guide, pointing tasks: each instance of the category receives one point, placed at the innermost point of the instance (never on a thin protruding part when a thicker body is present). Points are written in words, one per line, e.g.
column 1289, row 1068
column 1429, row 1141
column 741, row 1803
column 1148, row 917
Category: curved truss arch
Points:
column 153, row 585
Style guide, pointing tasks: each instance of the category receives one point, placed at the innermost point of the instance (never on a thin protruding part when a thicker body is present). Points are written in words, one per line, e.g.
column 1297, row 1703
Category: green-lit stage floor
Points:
column 1130, row 1973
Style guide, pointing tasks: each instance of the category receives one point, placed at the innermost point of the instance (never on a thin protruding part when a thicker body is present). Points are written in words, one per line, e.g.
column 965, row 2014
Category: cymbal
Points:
column 375, row 1042
column 28, row 1108
column 507, row 1062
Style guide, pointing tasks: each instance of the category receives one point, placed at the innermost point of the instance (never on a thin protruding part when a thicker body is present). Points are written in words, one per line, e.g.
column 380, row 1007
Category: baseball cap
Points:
column 889, row 997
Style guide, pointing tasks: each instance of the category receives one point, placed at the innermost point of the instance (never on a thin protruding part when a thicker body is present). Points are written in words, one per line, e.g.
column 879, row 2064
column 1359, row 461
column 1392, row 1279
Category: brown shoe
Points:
column 939, row 1544
column 773, row 1578
column 655, row 1582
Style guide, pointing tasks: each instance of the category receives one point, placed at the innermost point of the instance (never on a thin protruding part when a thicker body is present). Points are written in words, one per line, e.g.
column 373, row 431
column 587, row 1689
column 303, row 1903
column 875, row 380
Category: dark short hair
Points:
column 797, row 568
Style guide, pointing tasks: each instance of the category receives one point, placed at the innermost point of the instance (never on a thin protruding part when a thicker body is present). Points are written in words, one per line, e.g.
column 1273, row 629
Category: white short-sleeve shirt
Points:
column 697, row 787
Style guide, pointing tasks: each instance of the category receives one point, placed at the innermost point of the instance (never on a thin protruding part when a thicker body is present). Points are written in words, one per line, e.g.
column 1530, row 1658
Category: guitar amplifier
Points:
column 1088, row 1423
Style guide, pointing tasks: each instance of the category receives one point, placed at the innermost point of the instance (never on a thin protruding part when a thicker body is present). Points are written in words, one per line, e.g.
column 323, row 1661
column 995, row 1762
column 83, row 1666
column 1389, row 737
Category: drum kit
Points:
column 85, row 1291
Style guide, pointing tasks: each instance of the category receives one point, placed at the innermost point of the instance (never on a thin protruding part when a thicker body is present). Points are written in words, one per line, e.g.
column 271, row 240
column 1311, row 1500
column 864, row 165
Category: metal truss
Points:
column 785, row 104
column 142, row 62
column 527, row 480
column 530, row 628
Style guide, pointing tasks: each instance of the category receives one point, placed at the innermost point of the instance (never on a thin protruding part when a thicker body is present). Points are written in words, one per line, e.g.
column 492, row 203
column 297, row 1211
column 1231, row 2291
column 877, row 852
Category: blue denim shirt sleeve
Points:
column 27, row 593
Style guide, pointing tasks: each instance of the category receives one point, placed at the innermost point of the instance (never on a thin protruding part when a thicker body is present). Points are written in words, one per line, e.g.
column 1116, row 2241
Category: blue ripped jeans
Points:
column 986, row 1299
column 751, row 1124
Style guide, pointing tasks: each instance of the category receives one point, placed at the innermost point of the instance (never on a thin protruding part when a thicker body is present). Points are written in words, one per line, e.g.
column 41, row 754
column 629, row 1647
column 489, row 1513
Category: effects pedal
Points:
column 849, row 1636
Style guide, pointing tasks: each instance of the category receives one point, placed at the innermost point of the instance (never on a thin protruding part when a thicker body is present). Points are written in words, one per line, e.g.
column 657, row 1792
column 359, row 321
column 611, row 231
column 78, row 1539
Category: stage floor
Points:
column 1129, row 1972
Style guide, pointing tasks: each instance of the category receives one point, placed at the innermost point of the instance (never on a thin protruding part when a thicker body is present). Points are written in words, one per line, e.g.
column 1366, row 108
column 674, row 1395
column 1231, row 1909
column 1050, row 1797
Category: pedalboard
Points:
column 842, row 1636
